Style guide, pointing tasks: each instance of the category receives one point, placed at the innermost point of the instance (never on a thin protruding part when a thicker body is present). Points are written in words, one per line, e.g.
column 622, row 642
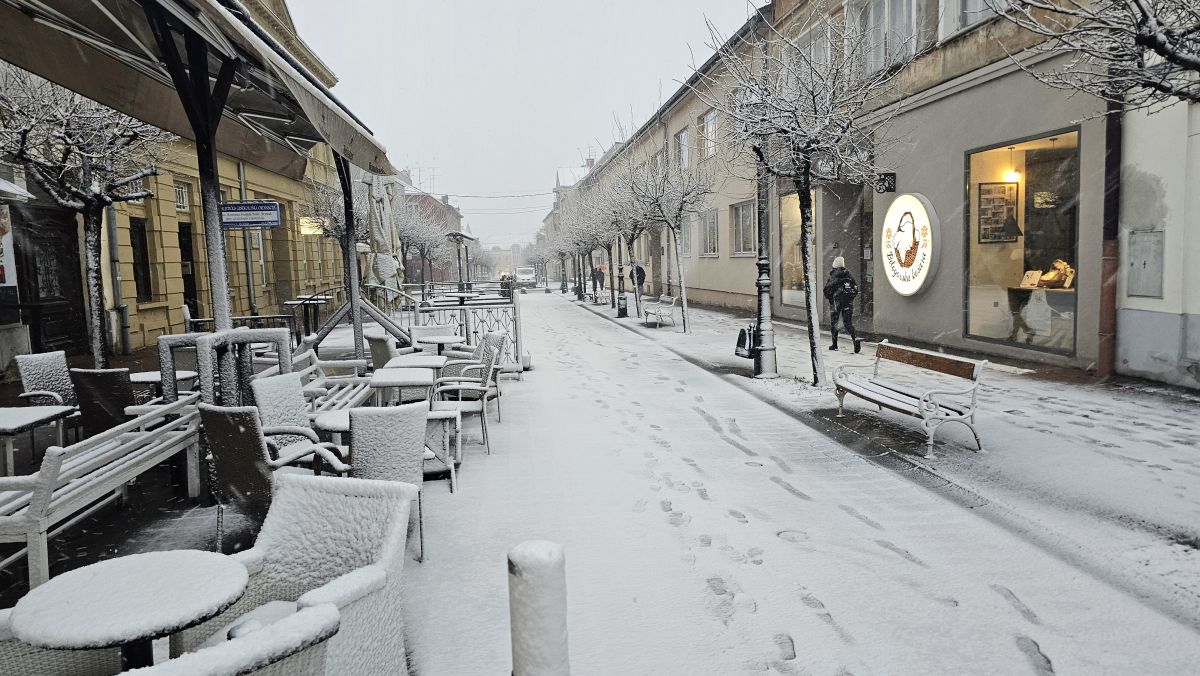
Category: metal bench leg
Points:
column 841, row 396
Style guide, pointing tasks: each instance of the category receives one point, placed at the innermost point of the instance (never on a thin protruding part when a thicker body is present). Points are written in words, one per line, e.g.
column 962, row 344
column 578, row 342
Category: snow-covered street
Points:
column 708, row 532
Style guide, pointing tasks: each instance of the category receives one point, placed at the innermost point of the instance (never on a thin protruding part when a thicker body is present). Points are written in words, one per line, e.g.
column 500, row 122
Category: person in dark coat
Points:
column 637, row 275
column 598, row 276
column 840, row 291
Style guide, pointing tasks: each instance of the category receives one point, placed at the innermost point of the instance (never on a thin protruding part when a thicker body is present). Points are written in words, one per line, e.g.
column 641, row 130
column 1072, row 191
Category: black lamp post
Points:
column 765, row 365
column 622, row 302
column 460, row 239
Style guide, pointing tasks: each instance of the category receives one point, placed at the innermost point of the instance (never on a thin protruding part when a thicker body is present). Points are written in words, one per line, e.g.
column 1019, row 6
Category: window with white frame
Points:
column 682, row 149
column 183, row 200
column 814, row 43
column 742, row 228
column 708, row 134
column 958, row 14
column 685, row 236
column 889, row 30
column 136, row 186
column 708, row 233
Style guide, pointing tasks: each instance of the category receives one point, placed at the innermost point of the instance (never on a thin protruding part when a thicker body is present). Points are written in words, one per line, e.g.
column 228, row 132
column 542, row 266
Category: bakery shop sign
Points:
column 909, row 243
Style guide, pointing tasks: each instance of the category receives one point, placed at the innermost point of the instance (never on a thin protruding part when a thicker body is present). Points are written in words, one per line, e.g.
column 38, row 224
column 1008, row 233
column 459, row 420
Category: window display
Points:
column 792, row 268
column 1022, row 227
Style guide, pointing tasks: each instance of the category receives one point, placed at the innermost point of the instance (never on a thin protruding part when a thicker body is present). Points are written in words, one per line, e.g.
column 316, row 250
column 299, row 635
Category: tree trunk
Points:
column 612, row 286
column 803, row 183
column 92, row 228
column 637, row 288
column 683, row 302
column 592, row 274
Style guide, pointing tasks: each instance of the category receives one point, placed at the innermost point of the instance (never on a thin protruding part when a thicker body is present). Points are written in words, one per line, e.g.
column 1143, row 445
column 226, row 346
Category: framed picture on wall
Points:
column 997, row 213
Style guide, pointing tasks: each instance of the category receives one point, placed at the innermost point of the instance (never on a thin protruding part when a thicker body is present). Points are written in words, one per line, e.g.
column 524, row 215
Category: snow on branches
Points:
column 86, row 156
column 1143, row 53
column 809, row 108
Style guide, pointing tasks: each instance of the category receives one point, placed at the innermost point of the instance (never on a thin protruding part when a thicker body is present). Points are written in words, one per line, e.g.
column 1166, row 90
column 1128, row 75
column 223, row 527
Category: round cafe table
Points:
column 129, row 602
column 441, row 341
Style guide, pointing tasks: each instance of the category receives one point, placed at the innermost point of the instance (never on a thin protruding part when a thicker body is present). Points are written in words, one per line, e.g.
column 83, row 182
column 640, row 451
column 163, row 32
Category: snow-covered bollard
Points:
column 537, row 607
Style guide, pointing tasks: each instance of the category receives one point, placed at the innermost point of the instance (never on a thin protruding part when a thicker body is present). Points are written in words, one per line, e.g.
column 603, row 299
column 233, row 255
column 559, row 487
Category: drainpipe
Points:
column 1110, row 257
column 241, row 168
column 114, row 257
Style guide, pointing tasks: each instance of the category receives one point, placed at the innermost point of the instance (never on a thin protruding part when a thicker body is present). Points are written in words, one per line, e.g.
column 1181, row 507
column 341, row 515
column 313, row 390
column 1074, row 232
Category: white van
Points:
column 526, row 276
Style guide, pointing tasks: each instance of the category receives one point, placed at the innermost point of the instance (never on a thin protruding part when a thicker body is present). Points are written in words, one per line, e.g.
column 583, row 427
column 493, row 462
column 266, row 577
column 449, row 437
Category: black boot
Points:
column 857, row 346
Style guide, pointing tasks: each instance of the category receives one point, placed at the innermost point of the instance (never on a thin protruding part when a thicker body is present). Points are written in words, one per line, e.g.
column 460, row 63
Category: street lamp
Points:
column 622, row 302
column 459, row 240
column 765, row 364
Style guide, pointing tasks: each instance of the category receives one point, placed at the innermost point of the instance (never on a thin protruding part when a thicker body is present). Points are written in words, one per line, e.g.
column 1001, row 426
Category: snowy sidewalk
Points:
column 707, row 532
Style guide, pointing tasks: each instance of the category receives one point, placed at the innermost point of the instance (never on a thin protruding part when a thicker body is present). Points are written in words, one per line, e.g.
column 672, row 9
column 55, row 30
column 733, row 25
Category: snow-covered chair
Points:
column 330, row 540
column 18, row 658
column 103, row 394
column 46, row 381
column 243, row 461
column 383, row 349
column 285, row 411
column 390, row 444
column 472, row 392
column 416, row 332
column 295, row 645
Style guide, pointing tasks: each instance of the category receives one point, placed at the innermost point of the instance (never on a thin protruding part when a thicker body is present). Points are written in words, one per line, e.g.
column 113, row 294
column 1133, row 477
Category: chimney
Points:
column 406, row 176
column 446, row 199
column 591, row 162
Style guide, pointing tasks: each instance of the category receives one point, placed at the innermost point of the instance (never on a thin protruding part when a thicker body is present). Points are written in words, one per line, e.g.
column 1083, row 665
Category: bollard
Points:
column 537, row 607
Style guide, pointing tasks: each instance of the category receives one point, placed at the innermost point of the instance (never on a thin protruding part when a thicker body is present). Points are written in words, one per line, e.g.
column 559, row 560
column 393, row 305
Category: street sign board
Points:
column 250, row 214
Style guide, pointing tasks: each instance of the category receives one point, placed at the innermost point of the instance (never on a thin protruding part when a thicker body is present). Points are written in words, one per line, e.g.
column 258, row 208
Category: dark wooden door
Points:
column 188, row 264
column 48, row 267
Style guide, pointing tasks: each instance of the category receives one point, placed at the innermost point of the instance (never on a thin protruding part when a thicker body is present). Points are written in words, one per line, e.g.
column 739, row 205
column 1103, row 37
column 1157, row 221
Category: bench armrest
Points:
column 54, row 396
column 840, row 369
column 340, row 363
column 346, row 589
column 460, row 388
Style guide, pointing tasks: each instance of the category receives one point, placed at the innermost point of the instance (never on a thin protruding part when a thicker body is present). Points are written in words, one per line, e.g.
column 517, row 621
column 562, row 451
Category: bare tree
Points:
column 812, row 110
column 669, row 192
column 86, row 156
column 419, row 229
column 1142, row 53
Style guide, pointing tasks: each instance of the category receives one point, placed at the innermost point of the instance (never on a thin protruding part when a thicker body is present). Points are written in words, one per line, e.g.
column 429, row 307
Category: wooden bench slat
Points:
column 932, row 361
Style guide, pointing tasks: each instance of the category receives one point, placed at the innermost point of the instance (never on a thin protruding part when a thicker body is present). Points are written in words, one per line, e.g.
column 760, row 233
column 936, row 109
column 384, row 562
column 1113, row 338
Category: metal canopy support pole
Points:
column 765, row 365
column 350, row 253
column 203, row 99
column 246, row 242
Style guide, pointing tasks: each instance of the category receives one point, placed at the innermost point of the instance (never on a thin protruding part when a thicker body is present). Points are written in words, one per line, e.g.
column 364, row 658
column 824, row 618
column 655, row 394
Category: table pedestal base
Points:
column 137, row 655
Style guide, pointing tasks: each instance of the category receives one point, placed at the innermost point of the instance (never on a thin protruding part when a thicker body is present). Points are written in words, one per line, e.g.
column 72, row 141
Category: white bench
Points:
column 934, row 406
column 75, row 480
column 663, row 310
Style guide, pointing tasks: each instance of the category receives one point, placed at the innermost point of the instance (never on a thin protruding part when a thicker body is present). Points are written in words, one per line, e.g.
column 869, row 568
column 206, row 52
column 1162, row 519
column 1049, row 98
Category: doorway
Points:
column 50, row 280
column 187, row 264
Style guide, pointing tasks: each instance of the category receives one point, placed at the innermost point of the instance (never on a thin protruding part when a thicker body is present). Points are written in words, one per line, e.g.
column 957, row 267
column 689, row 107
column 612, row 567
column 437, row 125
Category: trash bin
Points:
column 745, row 343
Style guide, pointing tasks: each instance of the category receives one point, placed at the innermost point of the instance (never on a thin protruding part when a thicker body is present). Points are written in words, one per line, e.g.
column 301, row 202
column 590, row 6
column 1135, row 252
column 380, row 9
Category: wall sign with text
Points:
column 909, row 243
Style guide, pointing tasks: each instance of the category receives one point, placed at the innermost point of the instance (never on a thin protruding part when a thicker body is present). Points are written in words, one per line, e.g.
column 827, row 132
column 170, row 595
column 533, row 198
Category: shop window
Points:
column 685, row 237
column 792, row 268
column 1022, row 234
column 140, row 242
column 743, row 228
column 708, row 233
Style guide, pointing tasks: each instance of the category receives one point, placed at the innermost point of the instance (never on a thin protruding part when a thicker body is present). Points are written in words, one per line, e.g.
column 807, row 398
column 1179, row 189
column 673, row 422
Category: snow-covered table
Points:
column 155, row 378
column 129, row 602
column 441, row 341
column 17, row 419
column 417, row 360
column 386, row 378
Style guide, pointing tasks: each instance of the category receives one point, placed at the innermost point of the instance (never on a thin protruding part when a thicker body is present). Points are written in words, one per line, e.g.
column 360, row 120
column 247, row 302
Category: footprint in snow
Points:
column 640, row 505
column 787, row 647
column 678, row 519
column 705, row 540
column 665, row 505
column 738, row 516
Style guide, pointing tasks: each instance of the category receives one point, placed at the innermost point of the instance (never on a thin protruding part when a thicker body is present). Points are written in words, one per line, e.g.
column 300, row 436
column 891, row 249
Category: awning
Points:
column 12, row 192
column 105, row 50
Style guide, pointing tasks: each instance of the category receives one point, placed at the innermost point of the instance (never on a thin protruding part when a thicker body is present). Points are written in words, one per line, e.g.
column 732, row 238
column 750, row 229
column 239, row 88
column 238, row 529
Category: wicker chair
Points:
column 328, row 539
column 391, row 444
column 104, row 394
column 21, row 659
column 285, row 412
column 295, row 645
column 472, row 392
column 46, row 381
column 243, row 462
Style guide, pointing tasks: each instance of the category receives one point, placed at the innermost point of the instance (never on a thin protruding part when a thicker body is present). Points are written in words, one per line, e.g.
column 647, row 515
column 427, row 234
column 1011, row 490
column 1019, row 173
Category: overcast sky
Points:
column 480, row 97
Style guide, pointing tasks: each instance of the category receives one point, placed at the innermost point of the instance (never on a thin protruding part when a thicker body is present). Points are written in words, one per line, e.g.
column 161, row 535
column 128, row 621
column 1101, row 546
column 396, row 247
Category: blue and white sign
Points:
column 250, row 214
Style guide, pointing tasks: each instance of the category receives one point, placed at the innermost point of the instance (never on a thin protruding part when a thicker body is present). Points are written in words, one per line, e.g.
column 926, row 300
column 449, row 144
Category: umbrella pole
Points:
column 350, row 253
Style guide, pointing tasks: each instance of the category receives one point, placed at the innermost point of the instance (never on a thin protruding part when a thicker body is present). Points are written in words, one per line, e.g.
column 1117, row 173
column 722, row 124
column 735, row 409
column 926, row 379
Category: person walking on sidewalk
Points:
column 840, row 291
column 637, row 275
column 598, row 276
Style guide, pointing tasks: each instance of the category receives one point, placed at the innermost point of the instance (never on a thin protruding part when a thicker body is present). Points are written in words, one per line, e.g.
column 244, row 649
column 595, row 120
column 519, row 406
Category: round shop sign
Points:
column 909, row 244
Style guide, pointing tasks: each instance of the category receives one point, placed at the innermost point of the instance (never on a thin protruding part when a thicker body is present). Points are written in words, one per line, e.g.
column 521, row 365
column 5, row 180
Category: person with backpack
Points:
column 840, row 291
